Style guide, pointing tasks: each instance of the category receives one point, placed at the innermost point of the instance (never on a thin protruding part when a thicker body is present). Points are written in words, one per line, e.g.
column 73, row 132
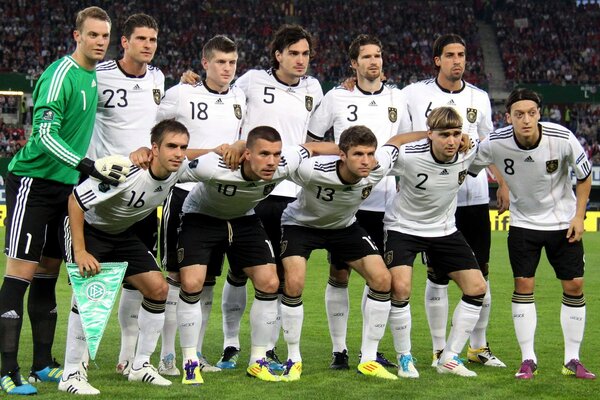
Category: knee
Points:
column 382, row 281
column 401, row 290
column 192, row 284
column 268, row 284
column 293, row 286
column 158, row 291
column 573, row 287
column 339, row 275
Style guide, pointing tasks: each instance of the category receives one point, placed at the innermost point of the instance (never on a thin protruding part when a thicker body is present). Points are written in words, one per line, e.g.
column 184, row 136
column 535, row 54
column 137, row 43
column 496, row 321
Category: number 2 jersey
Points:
column 127, row 107
column 541, row 191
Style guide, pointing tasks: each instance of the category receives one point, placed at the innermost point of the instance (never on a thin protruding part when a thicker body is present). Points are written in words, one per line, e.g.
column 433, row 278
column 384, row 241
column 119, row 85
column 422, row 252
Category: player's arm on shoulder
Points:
column 404, row 138
column 190, row 77
column 87, row 264
column 322, row 148
column 582, row 193
column 168, row 105
column 141, row 157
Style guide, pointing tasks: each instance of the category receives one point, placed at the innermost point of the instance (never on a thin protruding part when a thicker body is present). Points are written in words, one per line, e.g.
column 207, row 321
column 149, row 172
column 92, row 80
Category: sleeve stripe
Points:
column 55, row 147
column 57, row 79
column 89, row 195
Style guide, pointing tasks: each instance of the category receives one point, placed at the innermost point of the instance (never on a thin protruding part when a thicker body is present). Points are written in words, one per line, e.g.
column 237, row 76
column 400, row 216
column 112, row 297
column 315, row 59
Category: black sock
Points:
column 41, row 307
column 12, row 294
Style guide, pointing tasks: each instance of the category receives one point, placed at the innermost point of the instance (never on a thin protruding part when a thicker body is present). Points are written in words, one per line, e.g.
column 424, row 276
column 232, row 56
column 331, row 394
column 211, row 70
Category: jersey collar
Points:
column 156, row 178
column 439, row 161
column 213, row 91
column 464, row 85
column 280, row 81
column 127, row 74
column 337, row 171
column 370, row 93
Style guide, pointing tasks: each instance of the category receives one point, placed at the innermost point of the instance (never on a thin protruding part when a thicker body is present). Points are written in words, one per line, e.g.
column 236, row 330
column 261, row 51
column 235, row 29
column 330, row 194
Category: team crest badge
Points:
column 156, row 95
column 180, row 255
column 283, row 247
column 268, row 189
column 461, row 176
column 471, row 115
column 388, row 257
column 393, row 114
column 237, row 110
column 551, row 166
column 308, row 103
column 366, row 192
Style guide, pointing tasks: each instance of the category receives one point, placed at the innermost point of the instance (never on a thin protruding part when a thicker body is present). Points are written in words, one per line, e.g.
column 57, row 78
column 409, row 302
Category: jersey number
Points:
column 428, row 110
column 269, row 94
column 420, row 184
column 353, row 117
column 508, row 166
column 139, row 203
column 199, row 110
column 120, row 100
column 325, row 194
column 227, row 190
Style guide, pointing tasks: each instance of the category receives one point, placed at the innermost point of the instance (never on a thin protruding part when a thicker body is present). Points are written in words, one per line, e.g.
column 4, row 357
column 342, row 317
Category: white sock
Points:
column 337, row 307
column 189, row 319
column 76, row 345
column 129, row 307
column 206, row 301
column 263, row 314
column 525, row 321
column 291, row 322
column 150, row 326
column 401, row 325
column 170, row 328
column 375, row 319
column 572, row 321
column 436, row 309
column 277, row 328
column 233, row 305
column 478, row 337
column 463, row 321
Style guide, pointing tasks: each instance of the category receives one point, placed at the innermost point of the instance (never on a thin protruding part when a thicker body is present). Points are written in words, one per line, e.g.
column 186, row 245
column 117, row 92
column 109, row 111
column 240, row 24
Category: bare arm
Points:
column 403, row 138
column 582, row 192
column 503, row 192
column 88, row 265
column 322, row 148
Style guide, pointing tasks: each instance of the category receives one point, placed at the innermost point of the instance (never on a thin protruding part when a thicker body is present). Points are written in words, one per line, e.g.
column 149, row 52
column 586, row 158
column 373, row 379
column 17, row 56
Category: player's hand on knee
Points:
column 110, row 169
column 141, row 157
column 190, row 77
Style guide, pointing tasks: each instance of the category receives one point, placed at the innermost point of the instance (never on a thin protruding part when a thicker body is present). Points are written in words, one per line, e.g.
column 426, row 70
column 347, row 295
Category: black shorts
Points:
column 269, row 211
column 474, row 224
column 147, row 231
column 372, row 223
column 243, row 239
column 525, row 249
column 445, row 254
column 170, row 227
column 351, row 243
column 35, row 209
column 125, row 246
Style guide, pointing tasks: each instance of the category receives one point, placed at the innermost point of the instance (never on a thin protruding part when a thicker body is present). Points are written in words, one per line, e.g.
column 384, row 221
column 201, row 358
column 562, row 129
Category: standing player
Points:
column 323, row 216
column 421, row 219
column 219, row 216
column 472, row 215
column 284, row 98
column 101, row 220
column 535, row 158
column 129, row 92
column 40, row 179
column 382, row 109
column 212, row 110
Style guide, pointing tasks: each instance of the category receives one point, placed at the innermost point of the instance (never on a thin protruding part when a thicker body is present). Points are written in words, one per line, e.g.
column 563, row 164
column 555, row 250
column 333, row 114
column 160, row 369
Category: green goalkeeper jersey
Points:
column 65, row 99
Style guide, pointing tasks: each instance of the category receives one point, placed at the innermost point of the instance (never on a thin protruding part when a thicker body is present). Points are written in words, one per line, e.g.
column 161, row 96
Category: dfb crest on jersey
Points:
column 180, row 255
column 461, row 176
column 551, row 166
column 308, row 103
column 284, row 244
column 393, row 114
column 156, row 95
column 388, row 257
column 471, row 115
column 269, row 188
column 366, row 192
column 237, row 110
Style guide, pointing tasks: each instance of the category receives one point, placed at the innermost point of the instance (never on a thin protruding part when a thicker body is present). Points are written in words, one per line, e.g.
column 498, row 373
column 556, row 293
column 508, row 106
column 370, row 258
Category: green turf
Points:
column 318, row 382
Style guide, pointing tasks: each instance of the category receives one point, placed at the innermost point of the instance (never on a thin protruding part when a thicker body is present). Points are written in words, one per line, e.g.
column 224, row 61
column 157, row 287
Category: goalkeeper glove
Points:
column 111, row 169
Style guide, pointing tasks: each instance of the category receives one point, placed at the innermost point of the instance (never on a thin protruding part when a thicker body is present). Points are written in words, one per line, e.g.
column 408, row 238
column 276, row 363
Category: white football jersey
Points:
column 211, row 118
column 384, row 112
column 473, row 104
column 541, row 192
column 227, row 194
column 426, row 202
column 126, row 112
column 286, row 108
column 113, row 209
column 325, row 201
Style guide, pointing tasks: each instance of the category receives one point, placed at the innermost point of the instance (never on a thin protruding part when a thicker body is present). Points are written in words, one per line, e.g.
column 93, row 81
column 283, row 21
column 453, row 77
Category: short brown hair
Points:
column 362, row 40
column 267, row 133
column 138, row 21
column 287, row 35
column 91, row 12
column 522, row 94
column 357, row 135
column 157, row 134
column 218, row 43
column 443, row 118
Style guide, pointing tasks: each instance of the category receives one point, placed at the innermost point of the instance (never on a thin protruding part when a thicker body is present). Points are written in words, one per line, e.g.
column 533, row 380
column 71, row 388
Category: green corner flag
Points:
column 96, row 297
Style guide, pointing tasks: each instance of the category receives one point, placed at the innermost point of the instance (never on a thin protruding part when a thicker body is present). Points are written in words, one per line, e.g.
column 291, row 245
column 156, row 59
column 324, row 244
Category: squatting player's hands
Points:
column 466, row 143
column 576, row 230
column 190, row 77
column 141, row 157
column 87, row 264
column 233, row 155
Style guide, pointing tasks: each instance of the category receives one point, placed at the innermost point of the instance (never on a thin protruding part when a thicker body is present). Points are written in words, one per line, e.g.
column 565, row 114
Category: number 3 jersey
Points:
column 127, row 107
column 426, row 201
column 325, row 200
column 541, row 191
